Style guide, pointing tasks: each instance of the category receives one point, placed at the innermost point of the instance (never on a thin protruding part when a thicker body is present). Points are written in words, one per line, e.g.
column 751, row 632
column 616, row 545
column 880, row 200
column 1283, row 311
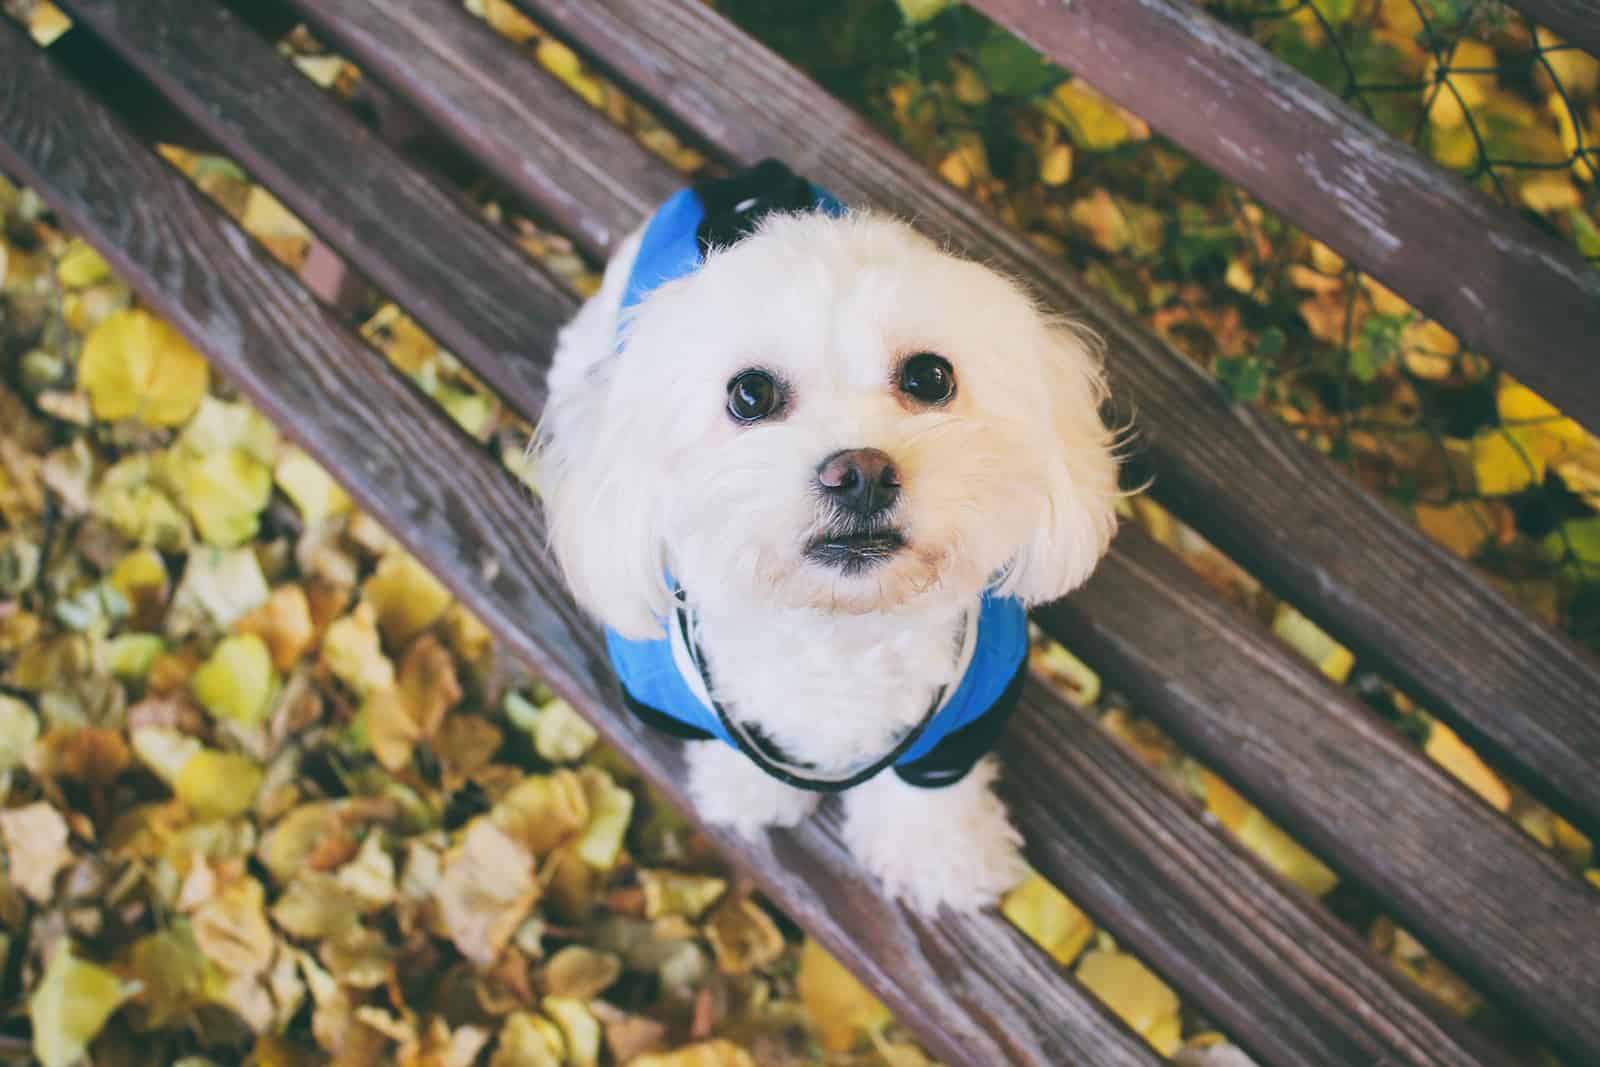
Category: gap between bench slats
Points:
column 1376, row 807
column 976, row 989
column 1452, row 801
column 1288, row 514
column 1522, row 297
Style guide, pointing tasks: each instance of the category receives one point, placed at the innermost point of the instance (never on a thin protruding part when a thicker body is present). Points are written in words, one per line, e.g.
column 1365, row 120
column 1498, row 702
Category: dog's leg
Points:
column 952, row 845
column 730, row 790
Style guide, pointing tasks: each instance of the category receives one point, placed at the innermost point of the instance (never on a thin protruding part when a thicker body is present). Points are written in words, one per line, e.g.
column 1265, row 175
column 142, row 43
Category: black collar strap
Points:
column 761, row 752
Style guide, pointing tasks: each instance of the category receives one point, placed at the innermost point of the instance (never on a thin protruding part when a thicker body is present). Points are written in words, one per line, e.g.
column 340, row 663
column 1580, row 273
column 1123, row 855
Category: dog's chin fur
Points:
column 1008, row 484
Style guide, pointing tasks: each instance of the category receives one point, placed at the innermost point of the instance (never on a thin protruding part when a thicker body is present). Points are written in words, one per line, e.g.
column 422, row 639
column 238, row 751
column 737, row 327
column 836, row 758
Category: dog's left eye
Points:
column 753, row 395
column 928, row 378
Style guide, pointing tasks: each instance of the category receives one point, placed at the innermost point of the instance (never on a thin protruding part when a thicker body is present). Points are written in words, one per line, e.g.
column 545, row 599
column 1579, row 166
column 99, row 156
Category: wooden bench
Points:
column 1269, row 965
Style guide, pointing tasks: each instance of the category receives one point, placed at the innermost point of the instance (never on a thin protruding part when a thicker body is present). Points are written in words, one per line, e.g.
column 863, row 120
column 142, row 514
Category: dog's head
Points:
column 833, row 413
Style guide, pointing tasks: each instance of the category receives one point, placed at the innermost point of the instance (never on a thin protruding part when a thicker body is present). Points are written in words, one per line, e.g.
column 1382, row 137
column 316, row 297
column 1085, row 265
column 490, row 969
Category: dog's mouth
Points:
column 854, row 551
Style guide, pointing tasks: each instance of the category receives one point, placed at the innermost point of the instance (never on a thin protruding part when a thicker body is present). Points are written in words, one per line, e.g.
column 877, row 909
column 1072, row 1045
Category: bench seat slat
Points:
column 249, row 72
column 1406, row 606
column 980, row 992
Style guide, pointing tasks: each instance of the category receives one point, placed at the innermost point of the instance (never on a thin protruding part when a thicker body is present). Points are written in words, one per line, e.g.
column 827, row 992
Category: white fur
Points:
column 642, row 471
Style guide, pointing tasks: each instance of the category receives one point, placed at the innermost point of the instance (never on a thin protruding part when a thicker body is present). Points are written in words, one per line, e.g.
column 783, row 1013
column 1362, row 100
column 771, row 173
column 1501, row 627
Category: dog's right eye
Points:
column 753, row 395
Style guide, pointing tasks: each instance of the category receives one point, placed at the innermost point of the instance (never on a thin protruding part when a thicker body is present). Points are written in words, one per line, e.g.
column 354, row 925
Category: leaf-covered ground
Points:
column 268, row 796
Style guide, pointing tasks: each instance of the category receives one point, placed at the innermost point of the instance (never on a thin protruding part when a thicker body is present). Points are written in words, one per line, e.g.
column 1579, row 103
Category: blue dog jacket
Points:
column 664, row 678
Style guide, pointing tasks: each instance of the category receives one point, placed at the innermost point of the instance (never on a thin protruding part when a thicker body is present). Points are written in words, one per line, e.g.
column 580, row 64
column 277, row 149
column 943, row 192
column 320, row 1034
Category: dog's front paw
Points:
column 731, row 791
column 952, row 846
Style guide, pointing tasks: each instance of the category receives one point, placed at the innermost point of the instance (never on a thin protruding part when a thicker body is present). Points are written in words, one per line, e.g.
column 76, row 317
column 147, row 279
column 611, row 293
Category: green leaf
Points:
column 1377, row 346
column 1244, row 378
column 1011, row 68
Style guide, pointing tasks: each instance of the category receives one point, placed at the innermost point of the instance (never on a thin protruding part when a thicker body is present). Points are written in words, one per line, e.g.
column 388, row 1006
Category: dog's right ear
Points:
column 603, row 505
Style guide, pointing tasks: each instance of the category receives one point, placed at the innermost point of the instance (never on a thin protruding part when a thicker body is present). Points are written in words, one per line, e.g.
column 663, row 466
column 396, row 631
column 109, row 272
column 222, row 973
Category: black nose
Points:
column 863, row 481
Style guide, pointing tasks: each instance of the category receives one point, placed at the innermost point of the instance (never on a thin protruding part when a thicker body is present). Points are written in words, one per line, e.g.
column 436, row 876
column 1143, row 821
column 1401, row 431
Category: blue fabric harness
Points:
column 664, row 678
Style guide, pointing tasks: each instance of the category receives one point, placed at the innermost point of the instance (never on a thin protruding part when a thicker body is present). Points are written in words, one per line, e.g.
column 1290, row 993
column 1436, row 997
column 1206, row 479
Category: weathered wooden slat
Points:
column 1400, row 601
column 1317, row 760
column 976, row 990
column 1506, row 289
column 1578, row 21
column 1259, row 1020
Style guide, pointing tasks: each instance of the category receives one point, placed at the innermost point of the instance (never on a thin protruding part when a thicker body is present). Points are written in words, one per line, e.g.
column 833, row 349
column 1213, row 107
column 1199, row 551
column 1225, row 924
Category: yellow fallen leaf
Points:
column 579, row 1028
column 406, row 598
column 290, row 843
column 394, row 334
column 19, row 729
column 1135, row 994
column 141, row 578
column 369, row 877
column 1575, row 71
column 218, row 425
column 80, row 266
column 308, row 486
column 558, row 59
column 353, row 652
column 1055, row 167
column 226, row 492
column 35, row 837
column 237, row 681
column 743, row 936
column 391, row 730
column 358, row 957
column 429, row 684
column 677, row 893
column 1503, row 462
column 1536, row 418
column 284, row 623
column 70, row 1005
column 164, row 750
column 918, row 11
column 1280, row 852
column 47, row 23
column 218, row 785
column 542, row 811
column 136, row 366
column 1448, row 751
column 719, row 1053
column 508, row 21
column 580, row 973
column 1050, row 920
column 1308, row 639
column 1093, row 121
column 611, row 808
column 315, row 906
column 1462, row 526
column 1548, row 192
column 841, row 1008
column 560, row 734
column 527, row 1040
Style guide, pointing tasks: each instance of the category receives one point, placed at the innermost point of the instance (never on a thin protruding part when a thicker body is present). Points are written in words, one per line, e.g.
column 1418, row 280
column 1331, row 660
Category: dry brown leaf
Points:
column 485, row 891
column 36, row 848
column 231, row 928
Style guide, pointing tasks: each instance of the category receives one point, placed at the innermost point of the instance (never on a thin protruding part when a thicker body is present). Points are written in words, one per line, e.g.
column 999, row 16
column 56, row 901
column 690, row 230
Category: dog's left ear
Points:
column 1079, row 469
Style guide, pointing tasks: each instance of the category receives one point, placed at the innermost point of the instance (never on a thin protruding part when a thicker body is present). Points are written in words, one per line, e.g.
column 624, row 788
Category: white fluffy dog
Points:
column 802, row 468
